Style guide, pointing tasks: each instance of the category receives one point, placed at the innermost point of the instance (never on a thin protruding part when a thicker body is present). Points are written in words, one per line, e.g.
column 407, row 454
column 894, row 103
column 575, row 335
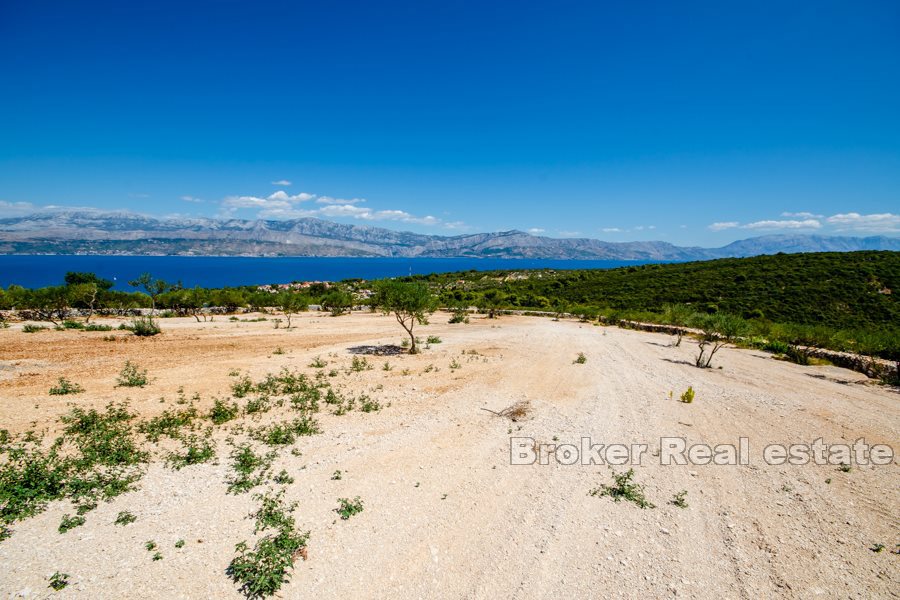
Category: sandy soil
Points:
column 446, row 514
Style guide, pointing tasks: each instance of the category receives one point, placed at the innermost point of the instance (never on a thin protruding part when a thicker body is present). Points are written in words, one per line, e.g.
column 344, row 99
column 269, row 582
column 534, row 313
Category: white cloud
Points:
column 536, row 230
column 16, row 209
column 801, row 215
column 722, row 226
column 851, row 222
column 611, row 230
column 643, row 227
column 280, row 205
column 792, row 224
column 192, row 199
column 874, row 223
column 770, row 224
column 330, row 200
column 279, row 201
column 282, row 182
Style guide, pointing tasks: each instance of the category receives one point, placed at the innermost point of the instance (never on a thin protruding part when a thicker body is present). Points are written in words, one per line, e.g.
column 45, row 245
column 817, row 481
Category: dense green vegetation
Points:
column 844, row 301
column 837, row 300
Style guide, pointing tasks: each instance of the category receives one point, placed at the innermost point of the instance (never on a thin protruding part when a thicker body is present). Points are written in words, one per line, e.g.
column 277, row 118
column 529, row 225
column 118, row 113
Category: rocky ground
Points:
column 445, row 513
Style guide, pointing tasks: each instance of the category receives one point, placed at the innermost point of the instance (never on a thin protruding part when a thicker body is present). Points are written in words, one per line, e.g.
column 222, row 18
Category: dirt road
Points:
column 445, row 513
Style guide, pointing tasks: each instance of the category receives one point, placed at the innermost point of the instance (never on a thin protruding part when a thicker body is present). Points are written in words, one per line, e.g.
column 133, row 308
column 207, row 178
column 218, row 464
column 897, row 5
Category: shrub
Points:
column 433, row 339
column 132, row 376
column 72, row 325
column 222, row 412
column 460, row 315
column 688, row 396
column 360, row 364
column 29, row 328
column 263, row 570
column 64, row 387
column 93, row 327
column 144, row 327
column 776, row 347
column 581, row 359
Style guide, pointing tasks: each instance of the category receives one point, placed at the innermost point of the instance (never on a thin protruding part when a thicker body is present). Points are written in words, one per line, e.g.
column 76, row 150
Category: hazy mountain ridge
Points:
column 95, row 232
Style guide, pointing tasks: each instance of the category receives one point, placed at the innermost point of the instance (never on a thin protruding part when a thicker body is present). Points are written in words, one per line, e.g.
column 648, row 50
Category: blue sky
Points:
column 690, row 122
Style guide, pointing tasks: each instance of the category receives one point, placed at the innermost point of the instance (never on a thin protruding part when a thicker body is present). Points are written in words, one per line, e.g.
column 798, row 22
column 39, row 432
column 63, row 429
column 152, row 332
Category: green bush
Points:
column 132, row 376
column 64, row 387
column 144, row 327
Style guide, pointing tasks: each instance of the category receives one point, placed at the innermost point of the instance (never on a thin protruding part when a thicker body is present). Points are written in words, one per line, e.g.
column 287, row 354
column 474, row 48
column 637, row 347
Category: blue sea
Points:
column 222, row 271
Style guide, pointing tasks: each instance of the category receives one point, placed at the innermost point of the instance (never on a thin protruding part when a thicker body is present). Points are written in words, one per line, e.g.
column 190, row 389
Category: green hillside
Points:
column 833, row 291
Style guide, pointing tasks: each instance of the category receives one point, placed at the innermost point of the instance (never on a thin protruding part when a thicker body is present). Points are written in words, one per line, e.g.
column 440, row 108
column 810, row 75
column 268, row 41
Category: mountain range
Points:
column 96, row 232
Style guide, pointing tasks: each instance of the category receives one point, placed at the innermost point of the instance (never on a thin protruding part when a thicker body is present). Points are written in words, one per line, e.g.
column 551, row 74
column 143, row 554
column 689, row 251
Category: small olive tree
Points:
column 410, row 303
column 291, row 303
column 716, row 331
column 337, row 302
column 678, row 315
column 153, row 288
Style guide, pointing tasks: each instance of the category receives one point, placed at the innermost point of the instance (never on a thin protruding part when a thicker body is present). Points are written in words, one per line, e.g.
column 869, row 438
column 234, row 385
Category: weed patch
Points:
column 624, row 488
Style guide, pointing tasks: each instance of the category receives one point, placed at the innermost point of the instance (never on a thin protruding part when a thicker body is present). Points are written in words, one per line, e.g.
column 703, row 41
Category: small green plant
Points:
column 845, row 468
column 347, row 508
column 360, row 364
column 132, row 376
column 283, row 478
column 179, row 544
column 278, row 350
column 59, row 581
column 222, row 412
column 433, row 339
column 337, row 476
column 68, row 523
column 125, row 518
column 679, row 499
column 688, row 396
column 150, row 545
column 242, row 387
column 196, row 450
column 404, row 343
column 877, row 548
column 455, row 364
column 29, row 328
column 144, row 327
column 387, row 366
column 169, row 423
column 250, row 469
column 65, row 387
column 318, row 363
column 262, row 571
column 624, row 488
column 157, row 556
column 368, row 405
column 580, row 359
column 72, row 325
column 94, row 327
